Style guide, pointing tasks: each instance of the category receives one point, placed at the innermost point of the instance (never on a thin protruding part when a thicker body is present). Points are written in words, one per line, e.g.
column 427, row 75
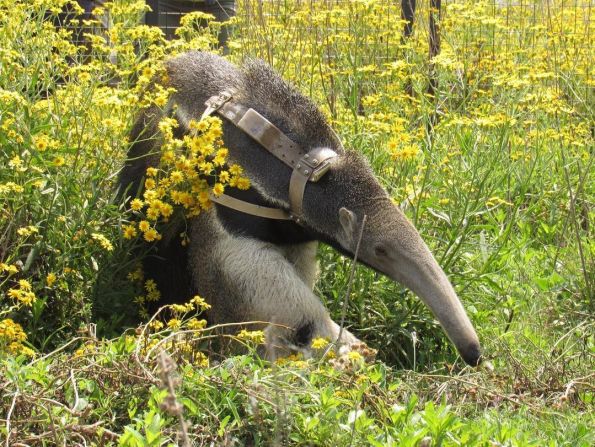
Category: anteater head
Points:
column 336, row 205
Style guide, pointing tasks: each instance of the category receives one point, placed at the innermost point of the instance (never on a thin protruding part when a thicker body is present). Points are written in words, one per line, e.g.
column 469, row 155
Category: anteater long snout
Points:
column 430, row 283
column 403, row 255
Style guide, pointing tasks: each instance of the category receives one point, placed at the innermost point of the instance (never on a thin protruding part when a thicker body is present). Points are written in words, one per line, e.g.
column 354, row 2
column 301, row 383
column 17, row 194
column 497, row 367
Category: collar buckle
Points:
column 214, row 103
column 315, row 163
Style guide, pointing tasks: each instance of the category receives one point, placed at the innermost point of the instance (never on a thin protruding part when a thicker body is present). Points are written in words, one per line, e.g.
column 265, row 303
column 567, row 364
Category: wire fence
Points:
column 352, row 38
column 392, row 22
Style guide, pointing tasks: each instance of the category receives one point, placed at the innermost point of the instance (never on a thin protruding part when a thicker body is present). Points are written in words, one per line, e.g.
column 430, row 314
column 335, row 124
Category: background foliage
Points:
column 494, row 166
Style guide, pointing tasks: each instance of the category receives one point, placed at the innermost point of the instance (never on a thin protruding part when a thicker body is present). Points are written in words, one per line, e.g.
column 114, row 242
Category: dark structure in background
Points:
column 435, row 15
column 166, row 14
column 408, row 8
column 408, row 14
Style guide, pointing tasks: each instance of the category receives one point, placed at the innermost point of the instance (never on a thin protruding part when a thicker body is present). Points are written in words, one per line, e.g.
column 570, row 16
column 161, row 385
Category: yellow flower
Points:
column 219, row 161
column 355, row 356
column 243, row 183
column 150, row 285
column 136, row 275
column 129, row 231
column 195, row 324
column 201, row 126
column 15, row 162
column 24, row 284
column 11, row 269
column 201, row 360
column 152, row 172
column 218, row 189
column 11, row 331
column 22, row 295
column 136, row 204
column 103, row 241
column 168, row 157
column 319, row 343
column 235, row 169
column 407, row 153
column 59, row 161
column 200, row 303
column 50, row 279
column 176, row 177
column 151, row 234
column 174, row 323
column 153, row 295
column 289, row 359
column 27, row 231
column 143, row 225
column 41, row 142
column 393, row 145
column 256, row 337
column 153, row 213
column 166, row 210
column 156, row 325
column 181, row 308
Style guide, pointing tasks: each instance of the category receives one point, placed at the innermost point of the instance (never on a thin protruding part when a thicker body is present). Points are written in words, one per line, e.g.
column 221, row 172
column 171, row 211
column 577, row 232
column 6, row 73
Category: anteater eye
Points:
column 380, row 251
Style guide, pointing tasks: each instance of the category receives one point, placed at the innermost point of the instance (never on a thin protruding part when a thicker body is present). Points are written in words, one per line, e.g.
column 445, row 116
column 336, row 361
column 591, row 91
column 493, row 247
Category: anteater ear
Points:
column 348, row 221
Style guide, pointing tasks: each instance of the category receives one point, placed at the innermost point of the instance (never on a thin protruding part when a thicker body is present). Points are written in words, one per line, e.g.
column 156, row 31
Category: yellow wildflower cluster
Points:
column 43, row 142
column 27, row 231
column 195, row 324
column 103, row 241
column 408, row 152
column 294, row 360
column 69, row 90
column 87, row 348
column 495, row 201
column 174, row 323
column 196, row 304
column 12, row 337
column 22, row 294
column 9, row 187
column 153, row 293
column 200, row 303
column 254, row 337
column 190, row 170
column 11, row 269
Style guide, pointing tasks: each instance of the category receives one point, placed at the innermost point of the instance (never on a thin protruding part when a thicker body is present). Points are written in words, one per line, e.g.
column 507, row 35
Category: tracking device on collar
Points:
column 307, row 166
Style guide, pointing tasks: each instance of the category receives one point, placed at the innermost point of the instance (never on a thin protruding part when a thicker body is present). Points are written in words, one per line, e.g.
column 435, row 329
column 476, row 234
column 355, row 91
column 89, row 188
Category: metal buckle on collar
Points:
column 214, row 103
column 310, row 168
column 315, row 163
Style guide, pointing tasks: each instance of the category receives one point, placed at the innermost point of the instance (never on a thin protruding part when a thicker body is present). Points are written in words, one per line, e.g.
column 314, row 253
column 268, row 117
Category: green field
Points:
column 487, row 146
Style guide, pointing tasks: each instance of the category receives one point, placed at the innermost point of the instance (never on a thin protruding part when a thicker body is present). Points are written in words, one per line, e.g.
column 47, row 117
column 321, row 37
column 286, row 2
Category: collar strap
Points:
column 307, row 166
column 250, row 208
